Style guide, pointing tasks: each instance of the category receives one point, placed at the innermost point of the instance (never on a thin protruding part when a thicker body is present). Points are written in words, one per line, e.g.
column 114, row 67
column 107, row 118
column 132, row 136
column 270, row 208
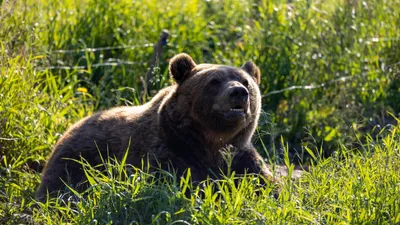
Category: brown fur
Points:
column 185, row 124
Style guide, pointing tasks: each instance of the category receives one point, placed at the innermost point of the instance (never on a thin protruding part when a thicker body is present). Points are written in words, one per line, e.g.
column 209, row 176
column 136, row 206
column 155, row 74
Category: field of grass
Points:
column 331, row 101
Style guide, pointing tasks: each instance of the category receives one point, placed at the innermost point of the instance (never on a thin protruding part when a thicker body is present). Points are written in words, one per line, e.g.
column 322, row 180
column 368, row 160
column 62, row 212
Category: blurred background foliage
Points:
column 339, row 61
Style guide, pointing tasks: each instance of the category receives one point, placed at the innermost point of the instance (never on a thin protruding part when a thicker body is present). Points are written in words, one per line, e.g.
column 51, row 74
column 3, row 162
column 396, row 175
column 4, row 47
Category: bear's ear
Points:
column 180, row 67
column 252, row 70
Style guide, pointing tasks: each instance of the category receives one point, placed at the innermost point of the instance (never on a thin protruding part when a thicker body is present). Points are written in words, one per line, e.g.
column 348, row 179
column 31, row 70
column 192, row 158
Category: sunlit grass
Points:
column 349, row 188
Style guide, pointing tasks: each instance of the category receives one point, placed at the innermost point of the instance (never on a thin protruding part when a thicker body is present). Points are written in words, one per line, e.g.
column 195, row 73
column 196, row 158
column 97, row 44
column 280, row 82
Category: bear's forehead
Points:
column 218, row 71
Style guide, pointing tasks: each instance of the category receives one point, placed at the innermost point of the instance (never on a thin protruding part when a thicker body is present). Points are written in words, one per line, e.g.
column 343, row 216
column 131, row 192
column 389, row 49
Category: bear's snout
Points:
column 238, row 96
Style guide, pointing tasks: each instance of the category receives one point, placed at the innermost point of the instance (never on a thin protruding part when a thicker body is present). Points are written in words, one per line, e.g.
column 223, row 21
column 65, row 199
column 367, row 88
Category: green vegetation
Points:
column 339, row 61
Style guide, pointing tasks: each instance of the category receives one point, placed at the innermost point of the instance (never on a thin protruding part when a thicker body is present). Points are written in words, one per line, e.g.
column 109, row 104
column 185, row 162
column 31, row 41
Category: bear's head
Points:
column 220, row 99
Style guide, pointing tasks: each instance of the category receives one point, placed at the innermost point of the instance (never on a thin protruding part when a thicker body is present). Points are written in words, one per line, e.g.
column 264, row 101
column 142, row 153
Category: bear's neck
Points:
column 214, row 140
column 185, row 141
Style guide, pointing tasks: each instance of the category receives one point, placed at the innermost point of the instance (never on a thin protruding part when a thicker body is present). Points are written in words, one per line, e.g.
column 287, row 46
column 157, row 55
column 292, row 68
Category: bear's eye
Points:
column 245, row 83
column 214, row 82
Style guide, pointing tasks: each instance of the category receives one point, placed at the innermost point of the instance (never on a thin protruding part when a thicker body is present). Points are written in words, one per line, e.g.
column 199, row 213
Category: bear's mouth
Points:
column 237, row 109
column 235, row 113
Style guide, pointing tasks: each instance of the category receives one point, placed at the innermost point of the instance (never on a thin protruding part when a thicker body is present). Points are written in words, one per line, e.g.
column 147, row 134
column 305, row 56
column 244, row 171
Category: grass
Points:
column 346, row 130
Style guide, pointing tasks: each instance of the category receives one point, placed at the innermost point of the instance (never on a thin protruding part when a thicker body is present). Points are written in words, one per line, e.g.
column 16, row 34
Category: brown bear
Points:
column 185, row 125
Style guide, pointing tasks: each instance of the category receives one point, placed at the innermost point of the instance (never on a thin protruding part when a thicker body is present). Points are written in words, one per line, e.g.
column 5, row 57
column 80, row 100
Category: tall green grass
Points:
column 351, row 47
column 349, row 188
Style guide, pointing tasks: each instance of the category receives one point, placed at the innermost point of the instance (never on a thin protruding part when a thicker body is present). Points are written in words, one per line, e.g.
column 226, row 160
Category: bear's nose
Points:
column 239, row 95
